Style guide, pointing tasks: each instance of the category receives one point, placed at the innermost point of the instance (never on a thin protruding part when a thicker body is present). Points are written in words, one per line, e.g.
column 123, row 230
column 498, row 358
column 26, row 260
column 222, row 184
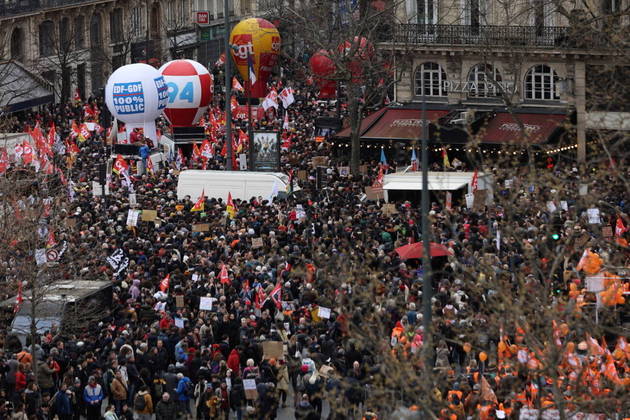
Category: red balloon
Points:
column 323, row 66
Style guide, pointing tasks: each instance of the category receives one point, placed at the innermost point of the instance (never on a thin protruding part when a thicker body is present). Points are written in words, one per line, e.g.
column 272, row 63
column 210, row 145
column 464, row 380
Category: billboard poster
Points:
column 266, row 151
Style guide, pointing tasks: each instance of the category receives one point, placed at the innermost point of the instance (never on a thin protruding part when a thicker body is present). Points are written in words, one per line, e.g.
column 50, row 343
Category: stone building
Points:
column 76, row 44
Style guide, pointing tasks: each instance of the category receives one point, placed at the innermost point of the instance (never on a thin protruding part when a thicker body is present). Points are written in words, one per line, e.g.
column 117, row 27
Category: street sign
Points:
column 202, row 18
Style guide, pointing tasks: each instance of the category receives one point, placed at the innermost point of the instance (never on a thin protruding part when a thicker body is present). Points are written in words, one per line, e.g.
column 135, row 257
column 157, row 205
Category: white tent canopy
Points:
column 438, row 181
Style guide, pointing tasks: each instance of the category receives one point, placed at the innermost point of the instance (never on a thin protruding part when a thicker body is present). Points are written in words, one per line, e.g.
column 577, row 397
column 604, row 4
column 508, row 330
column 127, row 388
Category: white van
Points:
column 241, row 184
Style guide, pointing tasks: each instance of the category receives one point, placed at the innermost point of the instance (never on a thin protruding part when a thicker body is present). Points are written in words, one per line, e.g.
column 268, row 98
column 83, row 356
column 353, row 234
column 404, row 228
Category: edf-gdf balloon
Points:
column 137, row 94
column 255, row 45
column 189, row 91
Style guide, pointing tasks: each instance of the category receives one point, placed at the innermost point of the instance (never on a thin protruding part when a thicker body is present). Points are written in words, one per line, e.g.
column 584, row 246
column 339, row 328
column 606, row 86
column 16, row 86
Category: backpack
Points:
column 139, row 403
column 189, row 389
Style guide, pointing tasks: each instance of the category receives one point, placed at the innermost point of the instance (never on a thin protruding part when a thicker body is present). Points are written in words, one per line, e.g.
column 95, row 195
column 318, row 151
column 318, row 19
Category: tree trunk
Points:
column 354, row 109
column 33, row 329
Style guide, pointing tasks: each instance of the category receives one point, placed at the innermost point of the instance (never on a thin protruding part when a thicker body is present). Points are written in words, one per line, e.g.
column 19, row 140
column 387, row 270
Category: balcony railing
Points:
column 19, row 7
column 491, row 36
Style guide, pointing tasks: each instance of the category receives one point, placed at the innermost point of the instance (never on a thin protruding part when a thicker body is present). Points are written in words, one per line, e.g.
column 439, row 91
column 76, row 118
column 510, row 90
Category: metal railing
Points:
column 19, row 7
column 491, row 36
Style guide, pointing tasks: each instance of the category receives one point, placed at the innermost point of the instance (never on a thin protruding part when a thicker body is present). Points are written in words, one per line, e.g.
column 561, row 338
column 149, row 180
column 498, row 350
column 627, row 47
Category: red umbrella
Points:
column 415, row 250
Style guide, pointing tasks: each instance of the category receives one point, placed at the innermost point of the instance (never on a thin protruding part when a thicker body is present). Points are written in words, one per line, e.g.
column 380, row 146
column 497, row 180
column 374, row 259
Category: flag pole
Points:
column 250, row 131
column 228, row 86
column 427, row 287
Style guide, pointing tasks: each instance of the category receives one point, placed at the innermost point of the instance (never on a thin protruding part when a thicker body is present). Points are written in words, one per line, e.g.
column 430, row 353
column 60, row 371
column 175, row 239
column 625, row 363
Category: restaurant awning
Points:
column 366, row 123
column 506, row 128
column 22, row 89
column 402, row 124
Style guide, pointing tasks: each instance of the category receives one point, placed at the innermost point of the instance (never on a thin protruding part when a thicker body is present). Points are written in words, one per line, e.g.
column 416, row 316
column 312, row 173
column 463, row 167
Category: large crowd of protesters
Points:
column 158, row 354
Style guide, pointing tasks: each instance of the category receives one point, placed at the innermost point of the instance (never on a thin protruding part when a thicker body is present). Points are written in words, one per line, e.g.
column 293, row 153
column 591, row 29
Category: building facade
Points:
column 76, row 44
column 529, row 56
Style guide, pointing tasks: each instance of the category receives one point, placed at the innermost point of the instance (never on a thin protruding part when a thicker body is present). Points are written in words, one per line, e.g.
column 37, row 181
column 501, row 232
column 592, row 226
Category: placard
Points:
column 179, row 301
column 179, row 322
column 249, row 386
column 201, row 227
column 583, row 189
column 479, row 200
column 389, row 209
column 564, row 206
column 272, row 350
column 551, row 206
column 594, row 284
column 607, row 232
column 205, row 303
column 132, row 217
column 319, row 161
column 344, row 171
column 302, row 175
column 374, row 194
column 323, row 312
column 242, row 162
column 470, row 198
column 132, row 199
column 593, row 216
column 97, row 189
column 257, row 243
column 149, row 215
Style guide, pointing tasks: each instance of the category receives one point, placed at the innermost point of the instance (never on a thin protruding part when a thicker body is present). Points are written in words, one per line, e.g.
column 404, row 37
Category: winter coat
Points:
column 118, row 390
column 148, row 403
column 234, row 362
column 165, row 410
column 283, row 378
column 45, row 375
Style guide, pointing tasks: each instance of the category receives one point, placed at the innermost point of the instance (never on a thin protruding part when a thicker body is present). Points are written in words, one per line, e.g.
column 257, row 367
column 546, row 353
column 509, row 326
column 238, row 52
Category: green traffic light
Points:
column 555, row 236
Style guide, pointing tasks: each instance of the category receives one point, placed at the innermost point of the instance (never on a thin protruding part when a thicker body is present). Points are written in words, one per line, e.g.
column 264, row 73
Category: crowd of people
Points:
column 314, row 309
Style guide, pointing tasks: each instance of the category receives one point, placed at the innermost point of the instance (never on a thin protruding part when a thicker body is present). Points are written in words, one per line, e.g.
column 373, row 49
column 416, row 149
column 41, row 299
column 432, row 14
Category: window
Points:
column 541, row 83
column 79, row 32
column 429, row 80
column 610, row 7
column 427, row 12
column 116, row 25
column 64, row 34
column 17, row 44
column 474, row 12
column 170, row 13
column 95, row 31
column 136, row 21
column 483, row 80
column 46, row 38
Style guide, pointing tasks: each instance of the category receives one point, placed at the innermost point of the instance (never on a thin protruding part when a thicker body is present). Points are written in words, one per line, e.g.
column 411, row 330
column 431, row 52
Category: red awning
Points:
column 401, row 124
column 366, row 123
column 506, row 128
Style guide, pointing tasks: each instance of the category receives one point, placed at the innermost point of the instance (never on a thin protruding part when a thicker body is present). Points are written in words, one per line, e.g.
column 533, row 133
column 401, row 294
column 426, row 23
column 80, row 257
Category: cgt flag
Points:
column 223, row 276
column 200, row 205
column 231, row 207
column 165, row 283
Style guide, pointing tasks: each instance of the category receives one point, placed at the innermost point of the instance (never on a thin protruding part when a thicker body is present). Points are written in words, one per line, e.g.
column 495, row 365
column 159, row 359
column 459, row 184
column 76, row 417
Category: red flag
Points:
column 4, row 161
column 150, row 166
column 223, row 276
column 85, row 133
column 52, row 135
column 120, row 165
column 378, row 182
column 620, row 229
column 475, row 182
column 196, row 153
column 230, row 207
column 72, row 148
column 236, row 85
column 201, row 202
column 260, row 298
column 165, row 283
column 233, row 105
column 27, row 152
column 51, row 241
column 206, row 149
column 276, row 295
column 221, row 60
